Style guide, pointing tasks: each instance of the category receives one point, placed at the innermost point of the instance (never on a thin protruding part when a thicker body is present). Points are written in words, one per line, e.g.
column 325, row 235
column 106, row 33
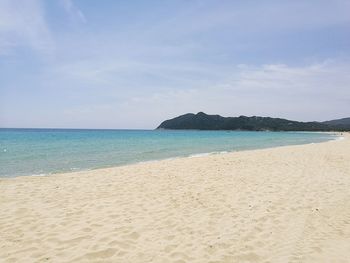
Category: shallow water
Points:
column 45, row 151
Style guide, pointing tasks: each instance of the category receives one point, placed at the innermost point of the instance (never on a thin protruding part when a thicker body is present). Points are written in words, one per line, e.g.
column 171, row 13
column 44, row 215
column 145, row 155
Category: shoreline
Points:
column 338, row 136
column 282, row 204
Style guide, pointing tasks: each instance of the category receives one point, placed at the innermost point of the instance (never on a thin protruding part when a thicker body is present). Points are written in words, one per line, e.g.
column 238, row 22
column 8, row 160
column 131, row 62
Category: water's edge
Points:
column 335, row 137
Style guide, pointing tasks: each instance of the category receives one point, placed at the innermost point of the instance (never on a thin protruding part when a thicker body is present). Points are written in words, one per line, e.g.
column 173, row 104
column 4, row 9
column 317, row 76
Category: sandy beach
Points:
column 287, row 204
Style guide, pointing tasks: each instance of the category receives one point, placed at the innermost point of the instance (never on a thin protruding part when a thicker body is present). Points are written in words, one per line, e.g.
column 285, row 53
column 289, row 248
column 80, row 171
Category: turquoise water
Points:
column 45, row 151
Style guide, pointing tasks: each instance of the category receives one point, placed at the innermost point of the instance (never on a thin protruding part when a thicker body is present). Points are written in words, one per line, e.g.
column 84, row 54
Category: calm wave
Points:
column 45, row 151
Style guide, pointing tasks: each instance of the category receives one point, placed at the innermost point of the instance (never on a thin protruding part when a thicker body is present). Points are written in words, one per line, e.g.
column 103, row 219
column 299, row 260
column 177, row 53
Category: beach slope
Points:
column 287, row 204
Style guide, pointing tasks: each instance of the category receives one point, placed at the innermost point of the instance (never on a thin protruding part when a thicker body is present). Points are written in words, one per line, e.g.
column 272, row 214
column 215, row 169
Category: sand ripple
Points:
column 290, row 204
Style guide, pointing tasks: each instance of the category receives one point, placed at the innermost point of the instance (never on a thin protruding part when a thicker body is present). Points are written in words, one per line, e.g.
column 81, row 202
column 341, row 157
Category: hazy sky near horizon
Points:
column 132, row 64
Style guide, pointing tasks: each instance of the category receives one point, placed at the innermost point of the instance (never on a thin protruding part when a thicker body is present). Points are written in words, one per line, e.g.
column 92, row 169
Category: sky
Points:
column 133, row 64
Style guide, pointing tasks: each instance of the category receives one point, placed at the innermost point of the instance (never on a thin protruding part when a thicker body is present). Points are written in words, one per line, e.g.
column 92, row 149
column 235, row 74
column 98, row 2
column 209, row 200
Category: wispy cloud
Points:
column 294, row 92
column 141, row 63
column 73, row 11
column 23, row 24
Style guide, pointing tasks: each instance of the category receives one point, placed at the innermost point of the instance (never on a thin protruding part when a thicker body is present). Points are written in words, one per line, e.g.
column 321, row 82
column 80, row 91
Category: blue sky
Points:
column 132, row 64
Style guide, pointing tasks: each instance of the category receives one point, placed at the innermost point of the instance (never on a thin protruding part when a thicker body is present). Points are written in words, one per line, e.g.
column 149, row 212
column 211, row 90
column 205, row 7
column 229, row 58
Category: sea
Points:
column 50, row 151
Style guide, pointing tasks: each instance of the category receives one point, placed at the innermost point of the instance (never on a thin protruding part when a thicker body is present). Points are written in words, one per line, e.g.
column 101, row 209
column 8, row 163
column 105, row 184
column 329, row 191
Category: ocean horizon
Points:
column 33, row 151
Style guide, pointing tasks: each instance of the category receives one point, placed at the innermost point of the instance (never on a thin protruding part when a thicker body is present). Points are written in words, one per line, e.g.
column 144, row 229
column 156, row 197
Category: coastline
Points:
column 280, row 204
column 337, row 135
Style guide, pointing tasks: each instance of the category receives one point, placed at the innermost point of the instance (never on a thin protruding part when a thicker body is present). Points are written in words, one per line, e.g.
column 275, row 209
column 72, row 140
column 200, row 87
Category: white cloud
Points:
column 73, row 11
column 22, row 23
column 314, row 92
column 319, row 91
column 133, row 73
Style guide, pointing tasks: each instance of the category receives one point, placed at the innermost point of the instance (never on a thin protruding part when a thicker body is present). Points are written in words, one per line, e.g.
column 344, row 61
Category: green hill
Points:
column 202, row 121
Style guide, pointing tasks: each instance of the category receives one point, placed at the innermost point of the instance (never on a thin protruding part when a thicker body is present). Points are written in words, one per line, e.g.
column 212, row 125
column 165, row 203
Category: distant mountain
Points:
column 339, row 123
column 202, row 121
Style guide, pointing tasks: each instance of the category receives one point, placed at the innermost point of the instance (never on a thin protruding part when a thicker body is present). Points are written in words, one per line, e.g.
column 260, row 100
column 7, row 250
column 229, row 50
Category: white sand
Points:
column 288, row 204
